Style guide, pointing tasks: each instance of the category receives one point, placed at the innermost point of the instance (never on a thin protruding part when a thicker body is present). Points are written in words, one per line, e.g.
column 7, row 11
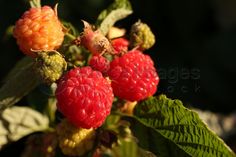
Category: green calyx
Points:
column 141, row 36
column 49, row 66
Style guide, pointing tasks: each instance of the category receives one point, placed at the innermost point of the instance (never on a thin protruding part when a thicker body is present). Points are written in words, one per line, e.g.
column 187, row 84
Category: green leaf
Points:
column 128, row 148
column 173, row 130
column 17, row 122
column 125, row 148
column 118, row 10
column 18, row 83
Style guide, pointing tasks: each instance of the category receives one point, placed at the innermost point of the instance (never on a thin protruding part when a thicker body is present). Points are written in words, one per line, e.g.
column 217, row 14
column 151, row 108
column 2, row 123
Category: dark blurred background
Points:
column 194, row 51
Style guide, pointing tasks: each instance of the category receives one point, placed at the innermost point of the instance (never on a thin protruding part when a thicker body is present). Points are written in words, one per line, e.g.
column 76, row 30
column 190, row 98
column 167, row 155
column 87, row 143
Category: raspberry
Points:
column 84, row 97
column 141, row 36
column 120, row 45
column 49, row 66
column 95, row 41
column 38, row 29
column 133, row 76
column 74, row 141
column 99, row 63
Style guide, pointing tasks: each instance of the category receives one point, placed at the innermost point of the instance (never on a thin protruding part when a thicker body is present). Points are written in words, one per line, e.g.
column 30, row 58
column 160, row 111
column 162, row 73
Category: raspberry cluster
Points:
column 115, row 67
column 85, row 96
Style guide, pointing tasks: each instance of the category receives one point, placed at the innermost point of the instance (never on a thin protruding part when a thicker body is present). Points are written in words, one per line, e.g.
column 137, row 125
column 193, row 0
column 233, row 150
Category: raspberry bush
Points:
column 92, row 93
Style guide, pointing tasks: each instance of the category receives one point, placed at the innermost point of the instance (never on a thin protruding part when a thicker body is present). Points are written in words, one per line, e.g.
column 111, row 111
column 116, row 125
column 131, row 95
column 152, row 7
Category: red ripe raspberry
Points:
column 120, row 45
column 38, row 29
column 99, row 63
column 84, row 97
column 133, row 76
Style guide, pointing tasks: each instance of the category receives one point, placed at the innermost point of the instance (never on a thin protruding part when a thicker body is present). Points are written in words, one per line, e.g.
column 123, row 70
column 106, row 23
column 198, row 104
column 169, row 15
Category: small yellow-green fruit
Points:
column 141, row 36
column 49, row 66
column 74, row 141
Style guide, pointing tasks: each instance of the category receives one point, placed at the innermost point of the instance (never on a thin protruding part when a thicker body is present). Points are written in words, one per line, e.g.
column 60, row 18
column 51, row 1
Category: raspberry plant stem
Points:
column 70, row 36
column 51, row 109
column 35, row 3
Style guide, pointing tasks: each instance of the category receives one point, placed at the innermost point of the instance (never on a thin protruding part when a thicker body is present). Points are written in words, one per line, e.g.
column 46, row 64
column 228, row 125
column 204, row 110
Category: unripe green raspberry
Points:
column 49, row 66
column 74, row 141
column 141, row 36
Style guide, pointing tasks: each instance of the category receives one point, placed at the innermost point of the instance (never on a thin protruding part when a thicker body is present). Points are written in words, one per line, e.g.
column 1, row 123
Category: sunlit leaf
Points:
column 118, row 10
column 167, row 128
column 17, row 122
